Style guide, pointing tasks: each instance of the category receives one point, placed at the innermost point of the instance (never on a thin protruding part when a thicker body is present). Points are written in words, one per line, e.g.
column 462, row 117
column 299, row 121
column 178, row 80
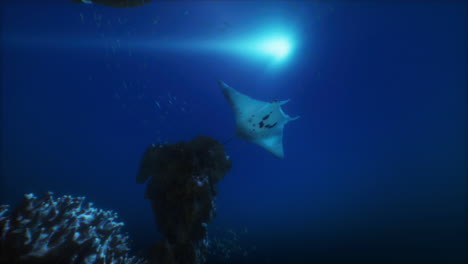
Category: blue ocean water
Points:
column 374, row 170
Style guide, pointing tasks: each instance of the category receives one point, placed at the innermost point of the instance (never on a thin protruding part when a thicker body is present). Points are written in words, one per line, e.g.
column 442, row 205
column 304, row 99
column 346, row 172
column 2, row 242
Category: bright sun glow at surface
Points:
column 278, row 47
column 270, row 48
column 273, row 48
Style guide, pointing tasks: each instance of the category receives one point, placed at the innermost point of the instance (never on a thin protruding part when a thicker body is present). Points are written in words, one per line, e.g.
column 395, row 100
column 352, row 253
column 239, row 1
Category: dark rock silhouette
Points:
column 182, row 190
column 115, row 3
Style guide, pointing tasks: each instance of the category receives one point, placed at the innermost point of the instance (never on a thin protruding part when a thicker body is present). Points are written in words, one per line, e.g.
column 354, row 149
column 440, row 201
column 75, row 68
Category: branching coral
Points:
column 62, row 230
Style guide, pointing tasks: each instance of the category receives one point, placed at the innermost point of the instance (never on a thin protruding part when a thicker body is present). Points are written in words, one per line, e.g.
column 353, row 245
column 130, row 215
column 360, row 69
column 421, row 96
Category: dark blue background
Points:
column 375, row 168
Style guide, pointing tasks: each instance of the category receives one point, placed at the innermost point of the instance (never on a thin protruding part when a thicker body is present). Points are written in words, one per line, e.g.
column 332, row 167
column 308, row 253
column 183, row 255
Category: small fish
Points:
column 157, row 104
column 156, row 20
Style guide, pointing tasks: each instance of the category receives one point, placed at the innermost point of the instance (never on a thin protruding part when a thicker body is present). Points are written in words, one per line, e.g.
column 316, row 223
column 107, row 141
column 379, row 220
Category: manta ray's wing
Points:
column 258, row 121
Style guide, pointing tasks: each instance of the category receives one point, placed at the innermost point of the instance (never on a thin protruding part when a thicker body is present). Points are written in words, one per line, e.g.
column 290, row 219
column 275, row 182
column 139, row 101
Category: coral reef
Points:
column 62, row 230
column 182, row 190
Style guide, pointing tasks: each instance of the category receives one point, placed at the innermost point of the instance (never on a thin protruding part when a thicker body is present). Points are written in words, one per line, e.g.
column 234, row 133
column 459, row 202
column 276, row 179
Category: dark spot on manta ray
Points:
column 260, row 124
column 266, row 117
column 271, row 126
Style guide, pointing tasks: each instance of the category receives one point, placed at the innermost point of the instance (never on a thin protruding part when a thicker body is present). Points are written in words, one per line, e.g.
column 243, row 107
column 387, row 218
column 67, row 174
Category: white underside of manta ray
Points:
column 257, row 121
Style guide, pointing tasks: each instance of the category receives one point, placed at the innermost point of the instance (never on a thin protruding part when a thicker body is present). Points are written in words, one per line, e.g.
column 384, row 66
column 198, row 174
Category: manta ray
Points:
column 258, row 121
